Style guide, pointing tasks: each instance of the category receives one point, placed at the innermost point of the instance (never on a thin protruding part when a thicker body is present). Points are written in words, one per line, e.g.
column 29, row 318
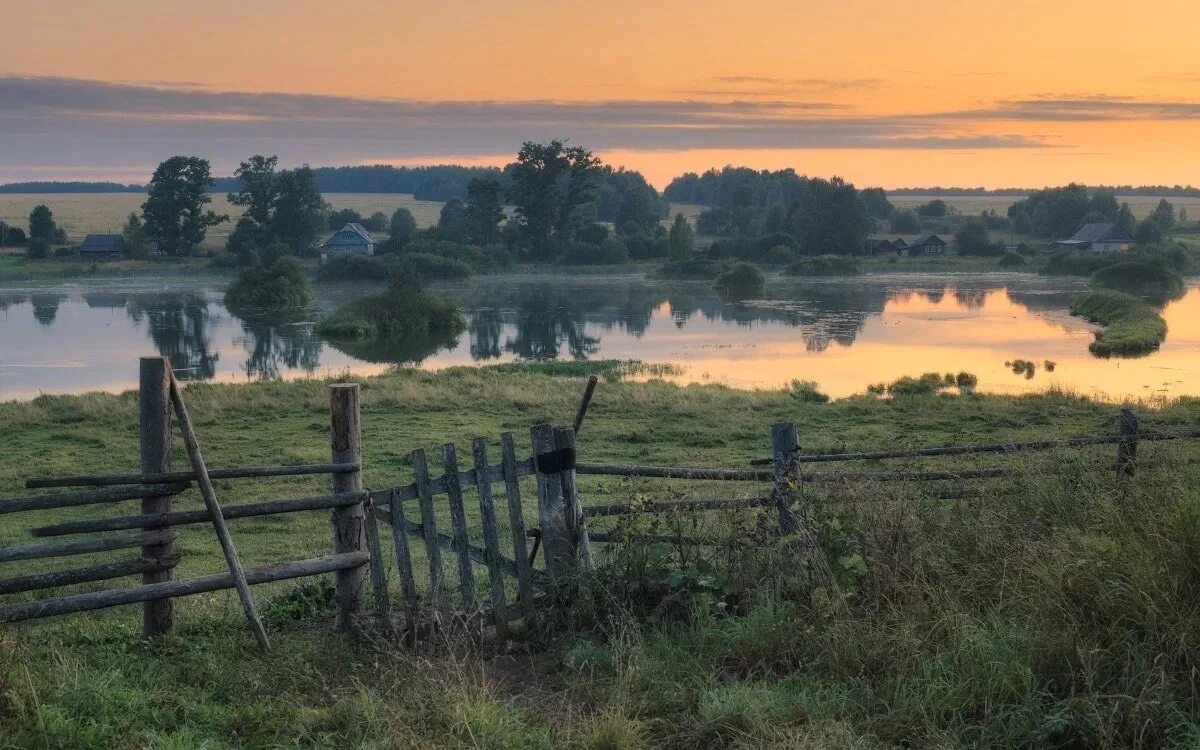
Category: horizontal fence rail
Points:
column 236, row 472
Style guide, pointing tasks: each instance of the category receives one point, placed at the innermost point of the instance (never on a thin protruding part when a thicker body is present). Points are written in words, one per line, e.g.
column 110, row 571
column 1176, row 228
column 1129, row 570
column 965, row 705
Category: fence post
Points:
column 564, row 441
column 1127, row 426
column 558, row 542
column 784, row 446
column 349, row 522
column 154, row 440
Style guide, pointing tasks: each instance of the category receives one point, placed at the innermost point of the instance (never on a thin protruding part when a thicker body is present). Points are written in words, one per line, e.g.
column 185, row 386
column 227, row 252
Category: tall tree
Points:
column 133, row 234
column 175, row 212
column 298, row 209
column 682, row 239
column 484, row 211
column 551, row 183
column 1164, row 216
column 41, row 224
column 403, row 226
column 258, row 187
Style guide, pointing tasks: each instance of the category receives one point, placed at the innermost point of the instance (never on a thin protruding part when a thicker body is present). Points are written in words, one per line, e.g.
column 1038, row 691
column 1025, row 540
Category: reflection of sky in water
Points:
column 843, row 335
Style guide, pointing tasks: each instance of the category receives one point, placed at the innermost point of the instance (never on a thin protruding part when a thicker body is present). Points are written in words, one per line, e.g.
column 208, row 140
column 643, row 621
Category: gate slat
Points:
column 433, row 552
column 516, row 519
column 491, row 540
column 408, row 586
column 458, row 520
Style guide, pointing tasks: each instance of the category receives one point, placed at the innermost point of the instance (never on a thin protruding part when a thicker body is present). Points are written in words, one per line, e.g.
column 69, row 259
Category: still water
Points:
column 844, row 335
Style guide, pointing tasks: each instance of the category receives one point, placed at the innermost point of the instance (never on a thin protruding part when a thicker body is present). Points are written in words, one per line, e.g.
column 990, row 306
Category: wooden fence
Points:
column 428, row 517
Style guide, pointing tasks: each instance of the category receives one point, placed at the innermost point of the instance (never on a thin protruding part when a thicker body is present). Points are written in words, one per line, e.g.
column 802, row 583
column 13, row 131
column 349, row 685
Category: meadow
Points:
column 1057, row 612
column 84, row 213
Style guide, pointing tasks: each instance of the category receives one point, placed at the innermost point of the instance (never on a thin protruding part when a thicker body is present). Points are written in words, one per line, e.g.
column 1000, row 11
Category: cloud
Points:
column 53, row 123
column 1077, row 108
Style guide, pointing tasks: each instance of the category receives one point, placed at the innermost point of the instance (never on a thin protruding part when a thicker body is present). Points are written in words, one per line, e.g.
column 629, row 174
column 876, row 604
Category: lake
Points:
column 842, row 334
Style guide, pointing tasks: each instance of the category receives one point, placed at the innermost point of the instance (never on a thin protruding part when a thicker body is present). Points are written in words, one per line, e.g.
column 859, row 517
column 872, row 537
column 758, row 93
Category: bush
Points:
column 806, row 392
column 352, row 268
column 743, row 281
column 64, row 252
column 1011, row 260
column 472, row 255
column 405, row 309
column 224, row 260
column 611, row 251
column 825, row 265
column 695, row 269
column 926, row 385
column 38, row 249
column 1132, row 326
column 780, row 255
column 280, row 287
column 426, row 267
column 1139, row 277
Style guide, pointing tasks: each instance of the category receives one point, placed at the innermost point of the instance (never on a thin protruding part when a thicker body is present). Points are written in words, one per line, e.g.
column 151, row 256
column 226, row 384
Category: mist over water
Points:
column 843, row 334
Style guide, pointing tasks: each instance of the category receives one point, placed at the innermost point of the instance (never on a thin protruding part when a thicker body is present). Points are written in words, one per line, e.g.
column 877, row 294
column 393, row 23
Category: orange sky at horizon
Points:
column 1038, row 93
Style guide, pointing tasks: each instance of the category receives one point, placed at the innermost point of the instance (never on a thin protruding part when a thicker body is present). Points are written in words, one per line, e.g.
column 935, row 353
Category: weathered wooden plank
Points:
column 408, row 586
column 379, row 585
column 560, row 551
column 467, row 478
column 169, row 477
column 516, row 519
column 564, row 442
column 433, row 553
column 154, row 453
column 90, row 497
column 584, row 402
column 64, row 605
column 477, row 554
column 491, row 539
column 192, row 445
column 458, row 522
column 786, row 470
column 107, row 571
column 675, row 472
column 348, row 521
column 84, row 546
column 185, row 517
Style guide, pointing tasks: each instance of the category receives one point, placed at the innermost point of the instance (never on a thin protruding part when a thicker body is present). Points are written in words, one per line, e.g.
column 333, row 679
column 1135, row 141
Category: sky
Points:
column 913, row 94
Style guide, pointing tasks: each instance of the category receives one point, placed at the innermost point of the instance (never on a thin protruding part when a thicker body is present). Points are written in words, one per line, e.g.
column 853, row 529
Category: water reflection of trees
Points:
column 181, row 326
column 400, row 350
column 274, row 344
column 45, row 306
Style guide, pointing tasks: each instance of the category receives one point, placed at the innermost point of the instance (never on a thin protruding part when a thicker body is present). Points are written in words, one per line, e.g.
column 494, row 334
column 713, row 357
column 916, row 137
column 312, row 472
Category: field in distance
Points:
column 1142, row 205
column 84, row 213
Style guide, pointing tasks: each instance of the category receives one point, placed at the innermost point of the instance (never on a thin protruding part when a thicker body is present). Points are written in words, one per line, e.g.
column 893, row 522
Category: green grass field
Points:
column 1061, row 615
column 83, row 213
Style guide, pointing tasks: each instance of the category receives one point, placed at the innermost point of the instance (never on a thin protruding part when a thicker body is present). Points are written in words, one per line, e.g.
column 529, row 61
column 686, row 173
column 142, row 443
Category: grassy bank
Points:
column 1132, row 325
column 1064, row 615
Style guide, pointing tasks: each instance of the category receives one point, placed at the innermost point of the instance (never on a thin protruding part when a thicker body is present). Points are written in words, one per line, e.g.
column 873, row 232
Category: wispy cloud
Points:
column 57, row 122
column 1080, row 108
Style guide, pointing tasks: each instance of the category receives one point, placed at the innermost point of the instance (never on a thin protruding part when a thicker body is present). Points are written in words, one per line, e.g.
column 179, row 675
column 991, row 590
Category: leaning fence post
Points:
column 349, row 527
column 557, row 537
column 784, row 447
column 1127, row 426
column 154, row 438
column 564, row 442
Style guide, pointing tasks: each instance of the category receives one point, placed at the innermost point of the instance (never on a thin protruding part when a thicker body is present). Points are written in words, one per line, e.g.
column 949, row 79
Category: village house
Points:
column 1095, row 238
column 924, row 246
column 102, row 247
column 352, row 239
column 882, row 247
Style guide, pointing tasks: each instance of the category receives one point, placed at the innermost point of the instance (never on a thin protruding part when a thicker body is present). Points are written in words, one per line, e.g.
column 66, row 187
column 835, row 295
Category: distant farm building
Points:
column 102, row 247
column 929, row 245
column 1096, row 238
column 882, row 247
column 351, row 239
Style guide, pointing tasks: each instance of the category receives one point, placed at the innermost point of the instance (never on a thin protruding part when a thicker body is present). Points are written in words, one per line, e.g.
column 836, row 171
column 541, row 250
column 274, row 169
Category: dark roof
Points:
column 929, row 239
column 876, row 245
column 354, row 227
column 1101, row 232
column 102, row 243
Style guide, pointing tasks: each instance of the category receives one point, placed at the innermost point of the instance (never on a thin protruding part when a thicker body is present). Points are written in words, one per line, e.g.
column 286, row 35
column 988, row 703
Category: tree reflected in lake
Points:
column 45, row 307
column 276, row 344
column 181, row 325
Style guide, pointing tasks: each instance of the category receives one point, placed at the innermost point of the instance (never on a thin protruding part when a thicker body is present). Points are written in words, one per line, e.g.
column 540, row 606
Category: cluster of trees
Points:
column 283, row 211
column 1059, row 212
column 430, row 183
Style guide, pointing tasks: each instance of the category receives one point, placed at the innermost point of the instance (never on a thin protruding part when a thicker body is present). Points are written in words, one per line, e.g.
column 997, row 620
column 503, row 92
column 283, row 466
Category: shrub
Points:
column 428, row 267
column 1011, row 260
column 38, row 249
column 352, row 268
column 1139, row 277
column 611, row 251
column 825, row 265
column 780, row 255
column 966, row 380
column 64, row 252
column 695, row 269
column 741, row 282
column 805, row 391
column 280, row 287
column 224, row 260
column 405, row 309
column 926, row 385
